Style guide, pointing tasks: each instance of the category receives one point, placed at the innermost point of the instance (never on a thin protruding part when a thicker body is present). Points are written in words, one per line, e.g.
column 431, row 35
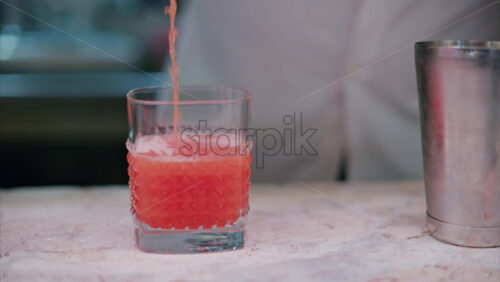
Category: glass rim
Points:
column 130, row 99
column 459, row 44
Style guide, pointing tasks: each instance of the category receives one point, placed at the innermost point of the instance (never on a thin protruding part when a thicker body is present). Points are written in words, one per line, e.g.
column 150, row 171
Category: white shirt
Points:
column 284, row 50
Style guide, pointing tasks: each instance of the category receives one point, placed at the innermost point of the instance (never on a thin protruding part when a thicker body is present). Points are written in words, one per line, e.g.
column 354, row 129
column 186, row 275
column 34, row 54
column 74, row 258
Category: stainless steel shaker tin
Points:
column 459, row 92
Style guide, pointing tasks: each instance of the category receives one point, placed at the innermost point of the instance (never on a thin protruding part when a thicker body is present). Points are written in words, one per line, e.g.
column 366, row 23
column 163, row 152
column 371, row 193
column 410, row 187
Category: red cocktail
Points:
column 189, row 184
column 178, row 190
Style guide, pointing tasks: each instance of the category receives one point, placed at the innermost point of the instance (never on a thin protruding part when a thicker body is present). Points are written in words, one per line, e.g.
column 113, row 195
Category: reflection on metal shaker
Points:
column 459, row 91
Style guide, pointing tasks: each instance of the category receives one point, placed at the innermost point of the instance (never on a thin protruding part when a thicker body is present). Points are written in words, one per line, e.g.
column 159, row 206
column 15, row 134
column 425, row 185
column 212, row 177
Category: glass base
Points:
column 193, row 241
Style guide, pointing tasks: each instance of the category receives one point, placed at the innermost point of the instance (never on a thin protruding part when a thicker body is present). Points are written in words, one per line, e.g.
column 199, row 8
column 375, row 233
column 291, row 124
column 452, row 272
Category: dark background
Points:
column 63, row 110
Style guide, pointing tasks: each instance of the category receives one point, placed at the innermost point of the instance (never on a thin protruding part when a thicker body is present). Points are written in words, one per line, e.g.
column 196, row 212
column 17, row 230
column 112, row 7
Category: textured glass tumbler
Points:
column 189, row 172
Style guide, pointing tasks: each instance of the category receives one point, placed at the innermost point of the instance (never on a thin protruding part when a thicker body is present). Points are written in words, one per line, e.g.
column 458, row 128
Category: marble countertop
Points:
column 303, row 231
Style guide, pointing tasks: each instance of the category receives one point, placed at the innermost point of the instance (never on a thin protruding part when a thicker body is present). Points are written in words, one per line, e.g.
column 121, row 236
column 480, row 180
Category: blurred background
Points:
column 65, row 67
column 346, row 65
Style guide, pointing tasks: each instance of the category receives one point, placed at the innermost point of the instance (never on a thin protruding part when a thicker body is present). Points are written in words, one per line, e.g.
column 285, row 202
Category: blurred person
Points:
column 346, row 66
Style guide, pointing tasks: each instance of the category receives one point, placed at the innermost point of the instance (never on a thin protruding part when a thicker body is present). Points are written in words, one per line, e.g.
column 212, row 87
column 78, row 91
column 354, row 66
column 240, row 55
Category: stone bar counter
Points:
column 302, row 231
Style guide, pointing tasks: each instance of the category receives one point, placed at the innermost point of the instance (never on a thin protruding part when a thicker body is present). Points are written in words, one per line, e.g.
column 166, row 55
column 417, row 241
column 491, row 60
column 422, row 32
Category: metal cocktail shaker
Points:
column 459, row 91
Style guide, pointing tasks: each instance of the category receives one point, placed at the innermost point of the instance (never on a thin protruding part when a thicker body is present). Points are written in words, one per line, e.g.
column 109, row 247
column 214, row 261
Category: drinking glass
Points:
column 189, row 176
